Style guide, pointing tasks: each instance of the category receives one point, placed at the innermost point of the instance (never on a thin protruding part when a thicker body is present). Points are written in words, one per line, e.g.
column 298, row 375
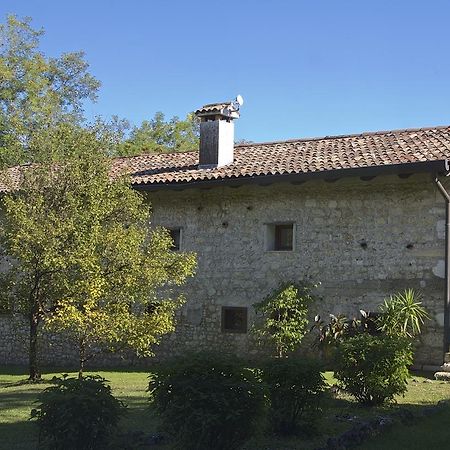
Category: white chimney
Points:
column 217, row 133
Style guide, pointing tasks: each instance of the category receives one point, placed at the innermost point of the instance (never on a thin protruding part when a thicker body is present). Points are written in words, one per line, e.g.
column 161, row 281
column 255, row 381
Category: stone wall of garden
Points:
column 362, row 240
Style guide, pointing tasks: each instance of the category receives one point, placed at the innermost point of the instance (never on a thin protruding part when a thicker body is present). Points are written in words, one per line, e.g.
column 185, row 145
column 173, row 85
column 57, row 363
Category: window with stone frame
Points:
column 280, row 237
column 234, row 319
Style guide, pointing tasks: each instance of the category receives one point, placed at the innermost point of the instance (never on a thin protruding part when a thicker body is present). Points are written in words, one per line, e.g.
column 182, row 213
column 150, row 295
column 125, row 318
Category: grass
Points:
column 430, row 433
column 17, row 398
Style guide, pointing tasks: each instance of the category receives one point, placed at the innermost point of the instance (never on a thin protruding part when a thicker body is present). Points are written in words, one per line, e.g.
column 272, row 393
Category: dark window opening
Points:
column 175, row 234
column 5, row 310
column 151, row 307
column 234, row 319
column 284, row 237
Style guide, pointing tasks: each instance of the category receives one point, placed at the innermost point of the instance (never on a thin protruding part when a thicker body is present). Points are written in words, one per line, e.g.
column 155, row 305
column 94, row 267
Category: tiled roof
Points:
column 294, row 157
column 300, row 156
column 226, row 109
column 213, row 108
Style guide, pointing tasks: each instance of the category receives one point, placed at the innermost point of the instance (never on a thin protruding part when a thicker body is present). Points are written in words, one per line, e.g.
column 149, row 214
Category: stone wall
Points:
column 362, row 240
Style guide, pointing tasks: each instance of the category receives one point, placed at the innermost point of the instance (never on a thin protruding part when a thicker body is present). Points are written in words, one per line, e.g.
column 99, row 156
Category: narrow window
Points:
column 234, row 319
column 175, row 234
column 280, row 237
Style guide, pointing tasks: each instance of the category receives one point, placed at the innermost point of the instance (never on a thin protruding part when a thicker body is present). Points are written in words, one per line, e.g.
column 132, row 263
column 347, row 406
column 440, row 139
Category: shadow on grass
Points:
column 18, row 435
column 23, row 370
column 428, row 430
column 20, row 399
column 26, row 382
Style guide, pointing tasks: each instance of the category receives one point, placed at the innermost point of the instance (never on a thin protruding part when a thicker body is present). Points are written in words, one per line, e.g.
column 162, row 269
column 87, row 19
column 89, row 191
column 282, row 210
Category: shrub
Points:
column 330, row 334
column 207, row 401
column 403, row 314
column 284, row 320
column 77, row 414
column 374, row 369
column 296, row 387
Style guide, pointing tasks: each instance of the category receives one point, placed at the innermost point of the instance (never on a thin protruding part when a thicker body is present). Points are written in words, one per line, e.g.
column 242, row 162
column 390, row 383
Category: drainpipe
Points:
column 446, row 196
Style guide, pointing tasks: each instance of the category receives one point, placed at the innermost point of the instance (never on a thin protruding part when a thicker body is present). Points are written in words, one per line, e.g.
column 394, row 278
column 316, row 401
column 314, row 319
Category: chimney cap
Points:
column 227, row 110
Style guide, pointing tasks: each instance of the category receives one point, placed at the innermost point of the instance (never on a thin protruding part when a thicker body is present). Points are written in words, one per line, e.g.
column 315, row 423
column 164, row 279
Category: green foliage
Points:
column 284, row 320
column 403, row 314
column 36, row 92
column 296, row 387
column 208, row 401
column 79, row 251
column 159, row 135
column 77, row 414
column 331, row 334
column 374, row 369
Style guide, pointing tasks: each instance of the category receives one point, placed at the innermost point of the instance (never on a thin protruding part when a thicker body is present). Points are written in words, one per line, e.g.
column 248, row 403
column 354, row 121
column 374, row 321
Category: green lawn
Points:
column 430, row 433
column 17, row 399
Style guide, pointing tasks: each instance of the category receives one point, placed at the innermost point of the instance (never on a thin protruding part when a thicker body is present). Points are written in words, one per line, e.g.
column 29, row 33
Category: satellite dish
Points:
column 239, row 100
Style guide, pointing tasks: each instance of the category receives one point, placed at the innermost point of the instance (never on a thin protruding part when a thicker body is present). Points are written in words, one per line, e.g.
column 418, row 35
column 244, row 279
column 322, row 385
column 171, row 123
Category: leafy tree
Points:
column 80, row 253
column 284, row 320
column 159, row 135
column 36, row 91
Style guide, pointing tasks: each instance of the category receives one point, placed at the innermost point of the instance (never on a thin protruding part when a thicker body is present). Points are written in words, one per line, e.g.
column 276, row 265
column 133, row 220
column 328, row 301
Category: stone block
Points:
column 442, row 376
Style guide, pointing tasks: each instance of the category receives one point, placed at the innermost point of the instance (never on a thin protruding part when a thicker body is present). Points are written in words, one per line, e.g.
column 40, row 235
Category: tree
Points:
column 81, row 256
column 36, row 91
column 159, row 135
column 284, row 321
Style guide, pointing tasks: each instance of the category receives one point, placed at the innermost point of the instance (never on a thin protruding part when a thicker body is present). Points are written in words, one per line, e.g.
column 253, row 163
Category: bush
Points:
column 296, row 387
column 374, row 369
column 284, row 321
column 207, row 401
column 77, row 414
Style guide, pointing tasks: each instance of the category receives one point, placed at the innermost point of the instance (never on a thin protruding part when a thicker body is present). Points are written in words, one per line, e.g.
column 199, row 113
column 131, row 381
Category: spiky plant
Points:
column 403, row 314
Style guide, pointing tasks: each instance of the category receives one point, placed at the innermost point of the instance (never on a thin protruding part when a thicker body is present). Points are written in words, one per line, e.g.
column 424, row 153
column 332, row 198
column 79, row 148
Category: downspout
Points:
column 446, row 196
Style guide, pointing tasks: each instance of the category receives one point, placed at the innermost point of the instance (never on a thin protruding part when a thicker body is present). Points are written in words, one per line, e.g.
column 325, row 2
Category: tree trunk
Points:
column 33, row 351
column 82, row 357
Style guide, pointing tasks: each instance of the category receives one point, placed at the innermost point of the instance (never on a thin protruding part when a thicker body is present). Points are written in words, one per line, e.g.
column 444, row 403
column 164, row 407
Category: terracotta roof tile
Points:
column 296, row 156
column 289, row 157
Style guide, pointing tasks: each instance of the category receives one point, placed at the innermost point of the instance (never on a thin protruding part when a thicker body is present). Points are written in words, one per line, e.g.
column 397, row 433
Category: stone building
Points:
column 366, row 215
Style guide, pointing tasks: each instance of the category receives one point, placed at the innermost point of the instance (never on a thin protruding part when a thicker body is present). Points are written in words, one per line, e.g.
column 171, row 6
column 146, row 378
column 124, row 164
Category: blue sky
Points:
column 304, row 68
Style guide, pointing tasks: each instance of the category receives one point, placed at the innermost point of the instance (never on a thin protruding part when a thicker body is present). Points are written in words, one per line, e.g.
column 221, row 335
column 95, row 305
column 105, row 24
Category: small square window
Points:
column 280, row 237
column 284, row 237
column 175, row 234
column 234, row 319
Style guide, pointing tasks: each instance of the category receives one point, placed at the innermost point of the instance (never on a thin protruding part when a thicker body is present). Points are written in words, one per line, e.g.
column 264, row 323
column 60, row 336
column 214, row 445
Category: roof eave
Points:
column 435, row 167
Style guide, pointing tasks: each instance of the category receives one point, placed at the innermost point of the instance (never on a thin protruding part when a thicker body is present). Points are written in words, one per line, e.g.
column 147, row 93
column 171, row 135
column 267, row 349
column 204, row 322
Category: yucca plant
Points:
column 403, row 314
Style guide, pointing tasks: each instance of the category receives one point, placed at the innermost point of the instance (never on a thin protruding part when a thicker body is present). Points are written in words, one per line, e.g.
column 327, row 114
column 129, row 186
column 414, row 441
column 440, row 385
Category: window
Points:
column 280, row 237
column 5, row 310
column 234, row 319
column 175, row 234
column 283, row 237
column 151, row 307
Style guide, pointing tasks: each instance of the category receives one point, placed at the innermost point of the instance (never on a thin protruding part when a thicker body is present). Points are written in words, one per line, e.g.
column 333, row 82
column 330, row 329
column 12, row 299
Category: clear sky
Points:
column 304, row 68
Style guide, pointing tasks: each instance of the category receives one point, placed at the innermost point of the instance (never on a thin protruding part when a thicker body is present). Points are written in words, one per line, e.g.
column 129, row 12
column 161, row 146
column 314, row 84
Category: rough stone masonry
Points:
column 362, row 240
